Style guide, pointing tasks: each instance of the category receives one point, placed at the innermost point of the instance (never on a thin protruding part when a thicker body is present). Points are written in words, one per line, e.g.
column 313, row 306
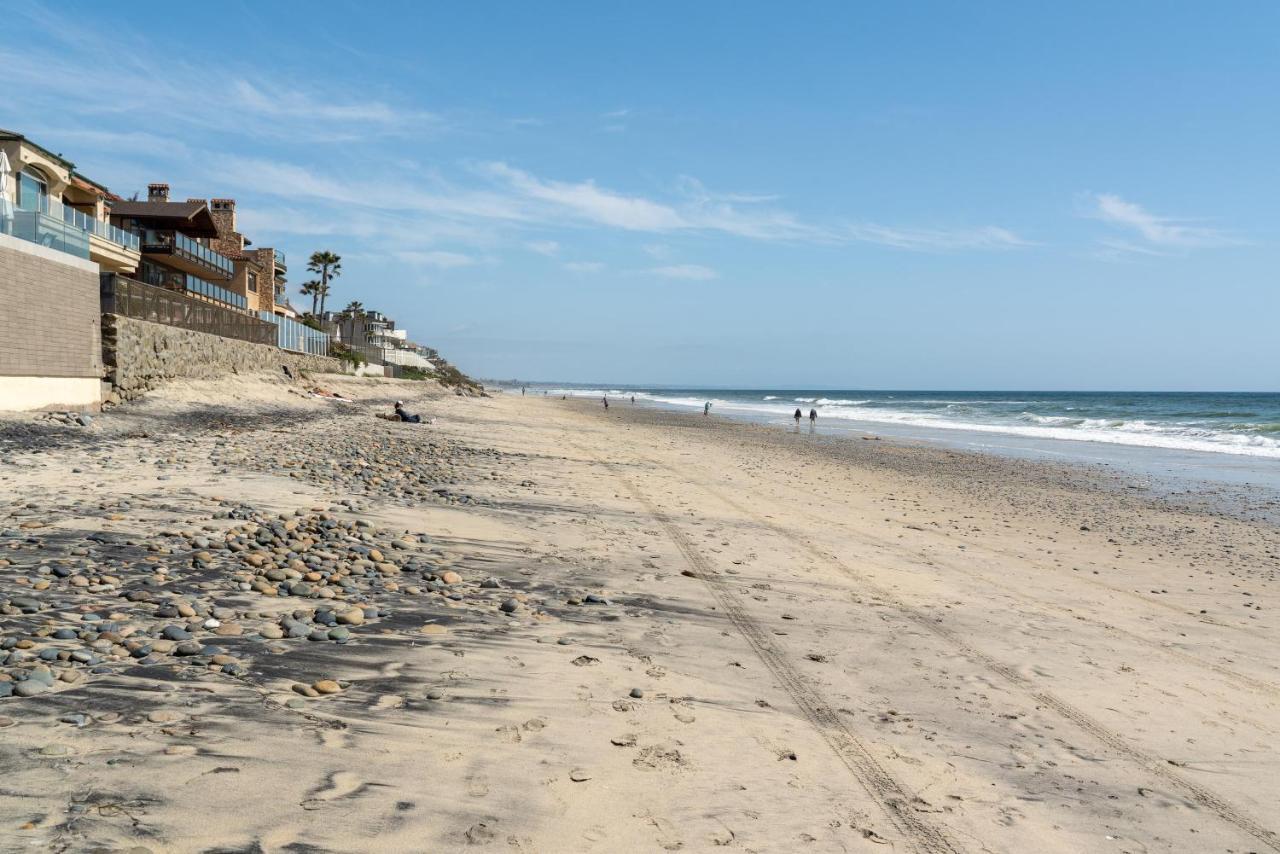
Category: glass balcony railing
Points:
column 292, row 335
column 86, row 222
column 46, row 230
column 204, row 253
column 196, row 285
column 280, row 261
column 176, row 241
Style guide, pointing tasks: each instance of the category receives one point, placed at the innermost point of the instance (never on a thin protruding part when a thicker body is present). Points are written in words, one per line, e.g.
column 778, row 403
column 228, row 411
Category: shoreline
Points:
column 1244, row 500
column 1174, row 462
column 634, row 630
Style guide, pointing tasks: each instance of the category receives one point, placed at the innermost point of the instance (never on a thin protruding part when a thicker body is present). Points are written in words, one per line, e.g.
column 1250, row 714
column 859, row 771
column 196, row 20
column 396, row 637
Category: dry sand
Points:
column 793, row 643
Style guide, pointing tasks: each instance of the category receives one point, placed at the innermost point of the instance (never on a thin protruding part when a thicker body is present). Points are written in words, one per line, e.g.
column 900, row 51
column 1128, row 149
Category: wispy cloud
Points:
column 937, row 239
column 660, row 251
column 588, row 201
column 278, row 103
column 439, row 259
column 584, row 266
column 690, row 272
column 1160, row 233
column 543, row 247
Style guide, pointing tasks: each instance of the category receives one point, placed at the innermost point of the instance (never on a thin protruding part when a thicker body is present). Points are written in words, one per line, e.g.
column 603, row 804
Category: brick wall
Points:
column 49, row 316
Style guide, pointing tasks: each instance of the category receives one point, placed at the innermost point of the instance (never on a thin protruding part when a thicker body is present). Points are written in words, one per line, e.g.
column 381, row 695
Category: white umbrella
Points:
column 6, row 206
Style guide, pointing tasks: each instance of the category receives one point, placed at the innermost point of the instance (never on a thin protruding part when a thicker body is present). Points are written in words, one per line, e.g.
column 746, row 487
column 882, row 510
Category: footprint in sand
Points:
column 387, row 702
column 339, row 784
column 477, row 786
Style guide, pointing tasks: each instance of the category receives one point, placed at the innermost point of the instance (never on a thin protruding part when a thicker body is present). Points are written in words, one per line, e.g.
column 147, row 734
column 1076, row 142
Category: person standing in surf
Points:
column 813, row 418
column 797, row 417
column 706, row 409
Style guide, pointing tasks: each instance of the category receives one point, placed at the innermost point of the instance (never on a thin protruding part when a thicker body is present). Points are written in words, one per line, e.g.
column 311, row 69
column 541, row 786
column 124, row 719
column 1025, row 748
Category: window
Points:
column 253, row 283
column 33, row 191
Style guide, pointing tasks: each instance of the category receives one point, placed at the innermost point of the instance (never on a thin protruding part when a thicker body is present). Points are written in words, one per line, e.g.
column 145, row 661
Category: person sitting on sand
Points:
column 404, row 415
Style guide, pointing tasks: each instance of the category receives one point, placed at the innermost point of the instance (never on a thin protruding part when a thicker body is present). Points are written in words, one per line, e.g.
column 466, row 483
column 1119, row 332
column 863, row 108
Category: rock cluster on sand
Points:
column 374, row 460
column 207, row 597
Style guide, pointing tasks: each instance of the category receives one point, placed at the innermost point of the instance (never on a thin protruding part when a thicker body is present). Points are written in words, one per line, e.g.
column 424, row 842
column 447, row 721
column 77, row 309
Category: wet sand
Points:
column 668, row 632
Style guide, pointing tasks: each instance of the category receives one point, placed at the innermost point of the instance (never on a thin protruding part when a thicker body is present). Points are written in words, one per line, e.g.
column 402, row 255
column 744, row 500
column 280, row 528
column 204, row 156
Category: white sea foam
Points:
column 961, row 416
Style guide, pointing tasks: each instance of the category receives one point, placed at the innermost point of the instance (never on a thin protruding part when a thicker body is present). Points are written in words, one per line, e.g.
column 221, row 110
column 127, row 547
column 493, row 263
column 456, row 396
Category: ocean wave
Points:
column 1244, row 438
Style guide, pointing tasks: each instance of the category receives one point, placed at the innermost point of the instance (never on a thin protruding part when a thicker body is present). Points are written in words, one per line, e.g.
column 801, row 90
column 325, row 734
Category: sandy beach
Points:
column 631, row 630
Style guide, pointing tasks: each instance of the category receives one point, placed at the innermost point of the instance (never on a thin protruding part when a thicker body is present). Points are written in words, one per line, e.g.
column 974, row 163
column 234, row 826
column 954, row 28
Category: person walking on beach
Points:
column 522, row 391
column 797, row 417
column 633, row 400
column 813, row 417
column 606, row 401
column 706, row 408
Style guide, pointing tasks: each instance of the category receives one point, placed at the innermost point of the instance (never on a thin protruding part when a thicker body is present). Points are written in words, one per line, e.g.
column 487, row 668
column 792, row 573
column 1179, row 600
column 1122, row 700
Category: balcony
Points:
column 281, row 266
column 199, row 287
column 46, row 230
column 105, row 230
column 187, row 254
column 174, row 280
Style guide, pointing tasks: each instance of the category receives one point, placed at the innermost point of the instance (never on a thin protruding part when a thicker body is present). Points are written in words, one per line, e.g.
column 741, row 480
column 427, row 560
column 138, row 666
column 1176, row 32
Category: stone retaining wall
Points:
column 140, row 355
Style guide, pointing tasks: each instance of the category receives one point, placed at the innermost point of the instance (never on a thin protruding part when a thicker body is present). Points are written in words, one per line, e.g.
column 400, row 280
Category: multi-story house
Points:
column 375, row 336
column 46, row 201
column 259, row 272
column 55, row 239
column 175, row 240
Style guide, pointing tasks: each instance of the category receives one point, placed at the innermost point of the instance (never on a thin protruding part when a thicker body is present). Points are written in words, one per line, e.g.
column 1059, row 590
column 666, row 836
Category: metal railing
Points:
column 131, row 298
column 298, row 337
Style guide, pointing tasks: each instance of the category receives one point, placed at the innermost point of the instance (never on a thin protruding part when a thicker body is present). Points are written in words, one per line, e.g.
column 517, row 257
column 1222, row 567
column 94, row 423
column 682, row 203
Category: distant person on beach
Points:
column 606, row 401
column 522, row 391
column 633, row 400
column 706, row 408
column 813, row 417
column 798, row 416
column 404, row 415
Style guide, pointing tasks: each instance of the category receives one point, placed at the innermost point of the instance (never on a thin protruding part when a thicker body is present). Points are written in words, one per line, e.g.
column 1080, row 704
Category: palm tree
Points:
column 311, row 289
column 328, row 266
column 355, row 309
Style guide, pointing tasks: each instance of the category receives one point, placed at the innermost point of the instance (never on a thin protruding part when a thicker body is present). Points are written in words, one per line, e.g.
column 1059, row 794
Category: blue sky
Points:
column 892, row 195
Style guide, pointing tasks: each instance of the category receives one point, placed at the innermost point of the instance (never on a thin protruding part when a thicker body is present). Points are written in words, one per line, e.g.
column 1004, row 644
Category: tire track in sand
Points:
column 1116, row 742
column 1233, row 677
column 892, row 797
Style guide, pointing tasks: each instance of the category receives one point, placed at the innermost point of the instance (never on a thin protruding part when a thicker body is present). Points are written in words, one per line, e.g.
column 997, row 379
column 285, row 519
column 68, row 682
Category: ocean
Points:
column 1240, row 424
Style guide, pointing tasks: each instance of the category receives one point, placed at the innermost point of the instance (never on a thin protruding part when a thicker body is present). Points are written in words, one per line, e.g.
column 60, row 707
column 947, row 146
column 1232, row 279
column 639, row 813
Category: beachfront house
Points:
column 176, row 253
column 47, row 202
column 375, row 337
column 55, row 239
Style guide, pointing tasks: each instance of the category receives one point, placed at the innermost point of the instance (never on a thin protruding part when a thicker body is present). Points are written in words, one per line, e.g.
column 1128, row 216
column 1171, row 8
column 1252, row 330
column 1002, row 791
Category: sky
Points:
column 814, row 195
